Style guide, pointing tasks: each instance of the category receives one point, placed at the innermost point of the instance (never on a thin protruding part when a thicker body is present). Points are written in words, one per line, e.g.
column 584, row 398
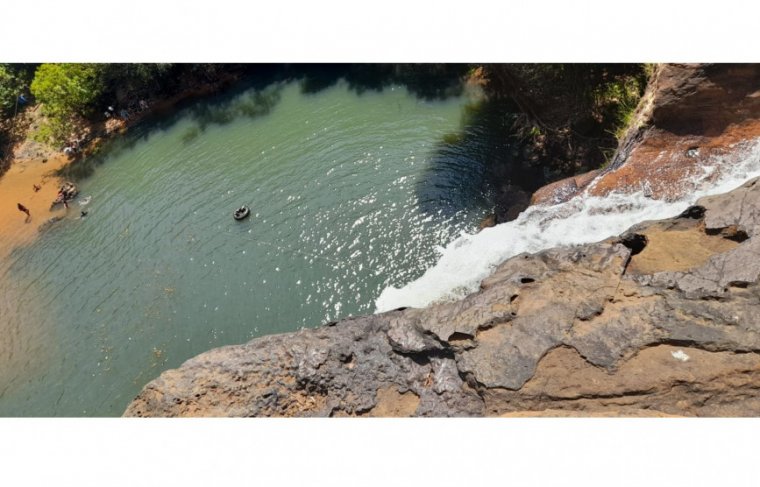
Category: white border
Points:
column 367, row 452
column 379, row 31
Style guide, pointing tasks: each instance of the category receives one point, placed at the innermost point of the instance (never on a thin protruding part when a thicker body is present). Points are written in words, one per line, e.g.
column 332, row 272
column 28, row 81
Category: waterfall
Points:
column 467, row 260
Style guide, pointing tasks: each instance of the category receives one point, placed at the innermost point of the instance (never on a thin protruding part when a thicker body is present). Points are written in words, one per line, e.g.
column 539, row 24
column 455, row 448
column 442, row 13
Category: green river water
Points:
column 349, row 193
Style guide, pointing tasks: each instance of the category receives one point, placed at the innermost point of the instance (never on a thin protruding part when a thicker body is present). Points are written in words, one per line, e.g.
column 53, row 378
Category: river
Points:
column 350, row 193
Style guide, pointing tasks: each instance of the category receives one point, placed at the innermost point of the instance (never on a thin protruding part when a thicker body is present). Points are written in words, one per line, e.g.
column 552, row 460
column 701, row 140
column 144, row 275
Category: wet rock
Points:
column 488, row 221
column 510, row 201
column 691, row 116
column 564, row 189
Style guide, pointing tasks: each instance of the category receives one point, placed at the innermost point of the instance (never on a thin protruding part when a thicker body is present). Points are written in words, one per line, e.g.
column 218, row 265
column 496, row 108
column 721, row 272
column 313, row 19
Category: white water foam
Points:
column 466, row 261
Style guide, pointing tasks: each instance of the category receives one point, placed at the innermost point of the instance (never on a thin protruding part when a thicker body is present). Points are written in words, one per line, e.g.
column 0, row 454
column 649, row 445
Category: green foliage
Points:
column 69, row 91
column 133, row 79
column 617, row 101
column 573, row 115
column 9, row 90
column 649, row 69
column 66, row 90
column 45, row 133
column 608, row 154
column 13, row 80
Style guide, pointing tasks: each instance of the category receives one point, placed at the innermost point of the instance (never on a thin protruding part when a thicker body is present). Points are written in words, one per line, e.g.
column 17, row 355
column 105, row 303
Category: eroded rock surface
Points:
column 612, row 328
column 692, row 116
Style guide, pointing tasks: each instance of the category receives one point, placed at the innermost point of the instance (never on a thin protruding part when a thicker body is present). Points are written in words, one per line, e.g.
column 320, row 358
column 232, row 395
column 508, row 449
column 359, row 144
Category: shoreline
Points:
column 16, row 184
column 43, row 167
column 16, row 187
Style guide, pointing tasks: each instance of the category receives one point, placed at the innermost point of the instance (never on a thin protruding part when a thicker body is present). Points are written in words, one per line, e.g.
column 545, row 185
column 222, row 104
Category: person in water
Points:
column 63, row 196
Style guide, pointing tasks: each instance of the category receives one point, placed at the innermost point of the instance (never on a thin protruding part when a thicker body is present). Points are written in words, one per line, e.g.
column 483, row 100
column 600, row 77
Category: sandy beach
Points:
column 16, row 186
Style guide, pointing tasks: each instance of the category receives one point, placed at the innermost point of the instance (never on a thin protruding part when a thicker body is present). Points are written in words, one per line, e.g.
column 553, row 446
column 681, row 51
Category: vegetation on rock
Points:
column 570, row 115
column 72, row 92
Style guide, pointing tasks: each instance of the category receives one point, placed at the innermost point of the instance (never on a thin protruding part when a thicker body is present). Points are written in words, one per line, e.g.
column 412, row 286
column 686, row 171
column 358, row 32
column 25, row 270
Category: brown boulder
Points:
column 564, row 189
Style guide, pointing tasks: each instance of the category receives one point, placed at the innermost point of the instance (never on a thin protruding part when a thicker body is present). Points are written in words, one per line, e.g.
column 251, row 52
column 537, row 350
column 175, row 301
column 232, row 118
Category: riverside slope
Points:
column 658, row 321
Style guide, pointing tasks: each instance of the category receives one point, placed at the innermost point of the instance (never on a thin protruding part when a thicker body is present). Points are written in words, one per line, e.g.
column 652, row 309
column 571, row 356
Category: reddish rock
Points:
column 691, row 116
column 564, row 189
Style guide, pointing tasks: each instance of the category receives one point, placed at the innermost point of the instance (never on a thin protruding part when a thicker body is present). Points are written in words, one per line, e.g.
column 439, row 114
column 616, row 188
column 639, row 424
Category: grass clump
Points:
column 616, row 101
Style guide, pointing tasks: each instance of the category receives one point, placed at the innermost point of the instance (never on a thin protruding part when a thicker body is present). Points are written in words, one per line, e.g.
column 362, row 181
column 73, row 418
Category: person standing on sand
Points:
column 24, row 209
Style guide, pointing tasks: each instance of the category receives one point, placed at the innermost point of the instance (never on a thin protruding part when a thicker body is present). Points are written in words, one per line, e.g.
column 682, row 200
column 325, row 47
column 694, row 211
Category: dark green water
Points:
column 349, row 194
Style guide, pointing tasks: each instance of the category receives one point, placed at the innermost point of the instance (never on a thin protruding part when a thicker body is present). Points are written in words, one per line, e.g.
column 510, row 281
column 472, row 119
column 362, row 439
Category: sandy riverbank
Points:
column 16, row 186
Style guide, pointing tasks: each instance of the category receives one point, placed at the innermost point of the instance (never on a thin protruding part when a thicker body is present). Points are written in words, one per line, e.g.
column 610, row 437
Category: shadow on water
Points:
column 253, row 97
column 252, row 104
column 426, row 81
column 481, row 166
column 260, row 91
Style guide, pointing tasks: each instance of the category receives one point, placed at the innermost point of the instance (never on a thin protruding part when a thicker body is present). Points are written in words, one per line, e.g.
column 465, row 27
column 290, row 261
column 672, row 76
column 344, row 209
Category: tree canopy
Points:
column 68, row 88
column 13, row 80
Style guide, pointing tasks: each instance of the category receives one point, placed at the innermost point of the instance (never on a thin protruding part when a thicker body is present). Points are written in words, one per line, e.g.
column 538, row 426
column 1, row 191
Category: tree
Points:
column 136, row 79
column 65, row 91
column 11, row 86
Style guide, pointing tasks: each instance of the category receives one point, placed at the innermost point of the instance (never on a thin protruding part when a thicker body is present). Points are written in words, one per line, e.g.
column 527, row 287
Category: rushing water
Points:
column 471, row 257
column 350, row 193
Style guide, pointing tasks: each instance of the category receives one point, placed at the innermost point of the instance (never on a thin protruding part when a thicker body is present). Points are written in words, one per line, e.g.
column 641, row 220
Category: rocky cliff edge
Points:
column 662, row 320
